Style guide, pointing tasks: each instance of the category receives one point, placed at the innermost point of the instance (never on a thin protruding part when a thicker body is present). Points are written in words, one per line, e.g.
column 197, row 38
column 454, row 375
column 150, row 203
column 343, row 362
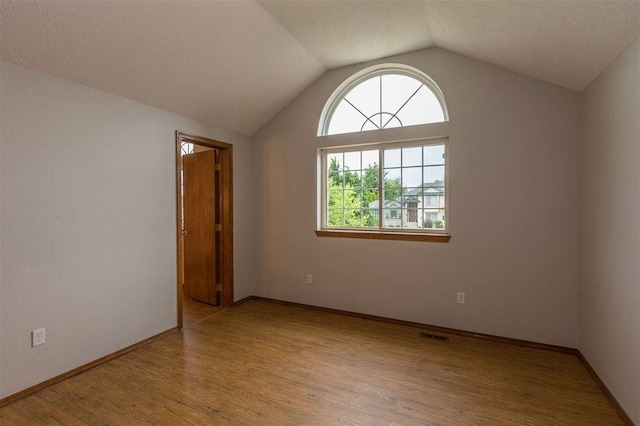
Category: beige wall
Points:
column 513, row 141
column 610, row 247
column 87, row 218
column 87, row 222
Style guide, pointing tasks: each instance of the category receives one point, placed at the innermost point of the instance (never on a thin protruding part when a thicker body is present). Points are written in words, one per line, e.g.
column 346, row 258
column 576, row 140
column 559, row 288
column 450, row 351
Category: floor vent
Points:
column 435, row 337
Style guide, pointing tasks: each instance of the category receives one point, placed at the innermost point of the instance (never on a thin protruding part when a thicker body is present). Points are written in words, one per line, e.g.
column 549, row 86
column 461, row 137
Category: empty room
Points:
column 320, row 212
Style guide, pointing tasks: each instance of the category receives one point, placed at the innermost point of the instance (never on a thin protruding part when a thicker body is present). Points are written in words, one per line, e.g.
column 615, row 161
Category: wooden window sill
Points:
column 378, row 235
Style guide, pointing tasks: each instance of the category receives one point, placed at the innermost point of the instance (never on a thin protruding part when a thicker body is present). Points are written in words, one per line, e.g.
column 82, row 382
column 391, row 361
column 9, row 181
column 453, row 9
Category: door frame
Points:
column 226, row 217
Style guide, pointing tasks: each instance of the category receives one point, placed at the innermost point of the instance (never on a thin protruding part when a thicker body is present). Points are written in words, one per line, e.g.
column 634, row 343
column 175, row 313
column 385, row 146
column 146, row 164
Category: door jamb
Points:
column 226, row 217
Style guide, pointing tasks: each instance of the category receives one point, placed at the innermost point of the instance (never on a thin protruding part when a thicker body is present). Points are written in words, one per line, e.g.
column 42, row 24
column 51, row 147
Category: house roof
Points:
column 438, row 186
column 236, row 64
column 374, row 203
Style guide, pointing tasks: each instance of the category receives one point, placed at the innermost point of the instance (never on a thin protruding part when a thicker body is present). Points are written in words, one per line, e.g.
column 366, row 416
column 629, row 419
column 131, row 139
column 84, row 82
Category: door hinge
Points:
column 218, row 227
column 216, row 167
column 218, row 287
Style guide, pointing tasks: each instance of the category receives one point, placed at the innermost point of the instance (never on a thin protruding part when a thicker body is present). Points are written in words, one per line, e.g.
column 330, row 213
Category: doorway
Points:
column 204, row 221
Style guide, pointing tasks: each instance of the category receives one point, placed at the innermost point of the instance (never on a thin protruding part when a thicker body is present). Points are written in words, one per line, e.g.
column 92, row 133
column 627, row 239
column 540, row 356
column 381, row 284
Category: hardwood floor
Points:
column 194, row 311
column 268, row 364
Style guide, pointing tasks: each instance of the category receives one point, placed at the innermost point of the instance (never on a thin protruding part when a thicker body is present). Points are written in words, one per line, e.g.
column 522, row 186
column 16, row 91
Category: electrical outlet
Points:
column 309, row 279
column 37, row 337
column 460, row 298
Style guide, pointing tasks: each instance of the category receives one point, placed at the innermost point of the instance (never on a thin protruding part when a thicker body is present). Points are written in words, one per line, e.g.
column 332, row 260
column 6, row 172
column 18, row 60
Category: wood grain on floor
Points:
column 267, row 364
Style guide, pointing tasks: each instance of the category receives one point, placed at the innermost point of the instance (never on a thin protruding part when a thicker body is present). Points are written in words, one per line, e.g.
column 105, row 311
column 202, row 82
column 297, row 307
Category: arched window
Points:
column 391, row 189
column 382, row 97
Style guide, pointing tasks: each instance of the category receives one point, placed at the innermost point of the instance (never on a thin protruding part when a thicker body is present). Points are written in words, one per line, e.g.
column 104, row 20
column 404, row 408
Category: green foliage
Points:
column 391, row 188
column 349, row 195
column 340, row 177
column 370, row 183
column 333, row 173
column 346, row 190
column 346, row 197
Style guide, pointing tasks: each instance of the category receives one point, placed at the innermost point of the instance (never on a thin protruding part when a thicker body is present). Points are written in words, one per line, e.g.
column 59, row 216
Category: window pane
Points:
column 412, row 156
column 358, row 199
column 429, row 219
column 396, row 90
column 370, row 218
column 371, row 198
column 369, row 189
column 392, row 176
column 420, row 219
column 335, row 176
column 438, row 223
column 411, row 177
column 352, row 180
column 352, row 160
column 335, row 161
column 423, row 108
column 335, row 217
column 433, row 174
column 392, row 218
column 352, row 198
column 335, row 179
column 433, row 155
column 431, row 200
column 352, row 218
column 410, row 216
column 369, row 158
column 345, row 119
column 392, row 157
column 186, row 148
column 371, row 173
column 391, row 184
column 366, row 98
column 335, row 199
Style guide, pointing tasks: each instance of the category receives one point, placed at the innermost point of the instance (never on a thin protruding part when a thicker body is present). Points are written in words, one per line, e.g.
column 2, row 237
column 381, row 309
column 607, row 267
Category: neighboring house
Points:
column 392, row 212
column 426, row 204
column 420, row 207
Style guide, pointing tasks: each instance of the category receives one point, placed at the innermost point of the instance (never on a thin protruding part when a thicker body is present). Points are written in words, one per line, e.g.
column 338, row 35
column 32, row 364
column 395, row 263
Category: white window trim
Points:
column 374, row 71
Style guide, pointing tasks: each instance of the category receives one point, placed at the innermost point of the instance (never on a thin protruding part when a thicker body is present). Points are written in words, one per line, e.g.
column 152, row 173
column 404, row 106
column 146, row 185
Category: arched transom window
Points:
column 383, row 97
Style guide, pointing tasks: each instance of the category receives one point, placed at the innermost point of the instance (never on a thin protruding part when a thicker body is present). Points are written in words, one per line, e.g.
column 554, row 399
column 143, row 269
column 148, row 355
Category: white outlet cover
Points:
column 38, row 337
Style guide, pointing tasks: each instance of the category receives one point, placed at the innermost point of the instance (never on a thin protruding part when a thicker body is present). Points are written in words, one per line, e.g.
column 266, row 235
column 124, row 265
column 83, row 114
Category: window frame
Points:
column 422, row 234
column 374, row 71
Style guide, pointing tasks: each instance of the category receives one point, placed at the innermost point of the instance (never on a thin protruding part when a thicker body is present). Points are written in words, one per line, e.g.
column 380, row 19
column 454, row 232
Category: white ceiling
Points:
column 237, row 63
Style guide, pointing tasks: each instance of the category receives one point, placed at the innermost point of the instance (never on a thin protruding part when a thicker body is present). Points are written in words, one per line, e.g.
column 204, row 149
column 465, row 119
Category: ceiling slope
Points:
column 567, row 43
column 347, row 32
column 227, row 63
column 237, row 63
column 564, row 42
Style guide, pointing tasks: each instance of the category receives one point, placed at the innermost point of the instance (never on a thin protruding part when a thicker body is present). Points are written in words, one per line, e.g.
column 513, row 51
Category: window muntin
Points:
column 406, row 181
column 186, row 148
column 382, row 97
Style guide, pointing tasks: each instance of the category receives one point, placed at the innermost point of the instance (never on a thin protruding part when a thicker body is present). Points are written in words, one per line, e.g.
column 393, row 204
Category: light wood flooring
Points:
column 194, row 311
column 267, row 364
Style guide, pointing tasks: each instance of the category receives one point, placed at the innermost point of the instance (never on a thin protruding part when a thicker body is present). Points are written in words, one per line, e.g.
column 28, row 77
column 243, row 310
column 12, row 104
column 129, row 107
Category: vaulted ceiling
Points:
column 237, row 63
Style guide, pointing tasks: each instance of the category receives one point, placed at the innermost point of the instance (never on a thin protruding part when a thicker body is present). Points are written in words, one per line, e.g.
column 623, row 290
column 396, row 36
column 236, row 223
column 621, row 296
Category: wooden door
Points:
column 199, row 201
